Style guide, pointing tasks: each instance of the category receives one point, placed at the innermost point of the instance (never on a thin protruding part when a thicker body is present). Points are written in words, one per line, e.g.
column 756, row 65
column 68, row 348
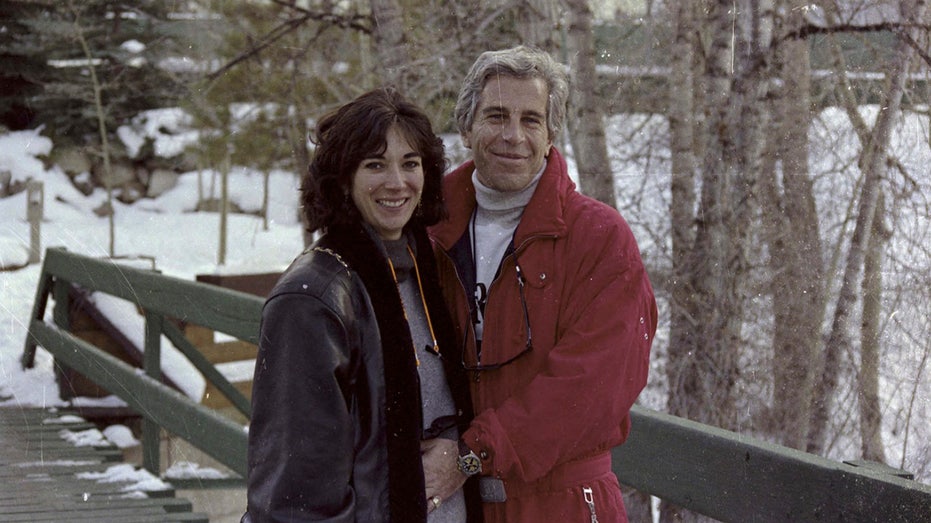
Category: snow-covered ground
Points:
column 183, row 243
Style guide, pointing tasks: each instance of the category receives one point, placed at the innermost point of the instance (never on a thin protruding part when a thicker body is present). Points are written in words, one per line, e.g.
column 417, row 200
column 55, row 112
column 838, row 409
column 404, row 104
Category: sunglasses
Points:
column 527, row 347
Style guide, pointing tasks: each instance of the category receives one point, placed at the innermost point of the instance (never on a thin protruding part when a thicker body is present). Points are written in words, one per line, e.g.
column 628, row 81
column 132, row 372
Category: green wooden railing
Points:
column 162, row 298
column 732, row 477
column 721, row 474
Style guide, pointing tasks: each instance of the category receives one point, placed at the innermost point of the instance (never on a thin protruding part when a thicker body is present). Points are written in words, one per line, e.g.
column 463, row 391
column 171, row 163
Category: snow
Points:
column 190, row 470
column 19, row 153
column 166, row 232
column 237, row 371
column 132, row 325
column 65, row 419
column 165, row 127
column 137, row 480
column 85, row 438
column 121, row 436
column 57, row 463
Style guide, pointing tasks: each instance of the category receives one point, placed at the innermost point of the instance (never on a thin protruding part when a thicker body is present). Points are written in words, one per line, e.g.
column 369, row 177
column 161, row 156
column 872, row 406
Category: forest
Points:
column 794, row 277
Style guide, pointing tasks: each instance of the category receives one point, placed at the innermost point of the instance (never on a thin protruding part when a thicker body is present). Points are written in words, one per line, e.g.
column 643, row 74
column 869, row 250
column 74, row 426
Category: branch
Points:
column 900, row 30
column 273, row 36
column 361, row 23
column 922, row 52
column 807, row 30
column 288, row 26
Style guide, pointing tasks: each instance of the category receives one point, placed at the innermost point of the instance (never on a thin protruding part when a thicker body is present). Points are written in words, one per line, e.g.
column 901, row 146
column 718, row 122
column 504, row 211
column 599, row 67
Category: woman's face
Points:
column 386, row 188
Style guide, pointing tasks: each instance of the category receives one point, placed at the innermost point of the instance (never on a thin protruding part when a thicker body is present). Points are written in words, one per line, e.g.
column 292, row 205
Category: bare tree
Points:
column 873, row 161
column 793, row 237
column 702, row 374
column 538, row 22
column 389, row 41
column 717, row 118
column 100, row 113
column 586, row 115
column 871, row 442
column 683, row 120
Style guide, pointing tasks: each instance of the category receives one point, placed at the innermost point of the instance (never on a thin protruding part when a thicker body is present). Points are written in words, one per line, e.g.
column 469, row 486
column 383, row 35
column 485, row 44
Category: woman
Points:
column 355, row 367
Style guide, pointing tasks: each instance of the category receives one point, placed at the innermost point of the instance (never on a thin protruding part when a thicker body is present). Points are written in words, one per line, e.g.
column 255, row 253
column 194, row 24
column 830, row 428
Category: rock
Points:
column 130, row 192
column 160, row 180
column 74, row 161
column 104, row 209
column 121, row 173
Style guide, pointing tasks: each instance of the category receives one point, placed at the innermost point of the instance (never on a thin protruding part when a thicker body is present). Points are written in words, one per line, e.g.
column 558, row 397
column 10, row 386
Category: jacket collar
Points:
column 543, row 216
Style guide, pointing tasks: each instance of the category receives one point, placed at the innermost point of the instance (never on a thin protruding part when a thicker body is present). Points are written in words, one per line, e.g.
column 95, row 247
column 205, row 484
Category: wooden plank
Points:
column 41, row 427
column 258, row 284
column 114, row 514
column 48, row 479
column 38, row 451
column 105, row 516
column 228, row 351
column 63, row 507
column 50, row 468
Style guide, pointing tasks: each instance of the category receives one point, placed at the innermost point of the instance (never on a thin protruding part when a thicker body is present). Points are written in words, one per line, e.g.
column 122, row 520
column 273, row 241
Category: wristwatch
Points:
column 469, row 463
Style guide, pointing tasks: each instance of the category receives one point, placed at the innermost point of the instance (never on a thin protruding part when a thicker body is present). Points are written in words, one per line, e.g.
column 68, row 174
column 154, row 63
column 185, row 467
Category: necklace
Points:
column 436, row 347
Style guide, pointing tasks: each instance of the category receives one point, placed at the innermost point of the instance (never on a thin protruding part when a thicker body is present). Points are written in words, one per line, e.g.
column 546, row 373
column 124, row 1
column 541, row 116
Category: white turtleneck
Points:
column 493, row 224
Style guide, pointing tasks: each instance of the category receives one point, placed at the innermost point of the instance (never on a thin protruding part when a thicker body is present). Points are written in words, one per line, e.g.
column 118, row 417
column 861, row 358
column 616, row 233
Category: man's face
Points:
column 509, row 138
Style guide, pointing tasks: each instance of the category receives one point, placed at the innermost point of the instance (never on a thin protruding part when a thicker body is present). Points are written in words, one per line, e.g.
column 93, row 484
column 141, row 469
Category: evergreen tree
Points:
column 23, row 66
column 125, row 44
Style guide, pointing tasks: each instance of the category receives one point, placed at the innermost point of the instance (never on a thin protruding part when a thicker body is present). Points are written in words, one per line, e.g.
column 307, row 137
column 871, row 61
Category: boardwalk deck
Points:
column 48, row 473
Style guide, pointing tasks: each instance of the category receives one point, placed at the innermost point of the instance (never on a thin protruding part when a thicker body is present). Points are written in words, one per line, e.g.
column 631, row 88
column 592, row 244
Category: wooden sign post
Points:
column 35, row 201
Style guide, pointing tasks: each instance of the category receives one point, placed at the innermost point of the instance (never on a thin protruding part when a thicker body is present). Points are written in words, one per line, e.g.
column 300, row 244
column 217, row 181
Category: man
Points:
column 552, row 301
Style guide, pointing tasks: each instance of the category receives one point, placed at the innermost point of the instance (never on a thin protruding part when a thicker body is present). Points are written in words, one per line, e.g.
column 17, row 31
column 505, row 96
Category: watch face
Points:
column 470, row 464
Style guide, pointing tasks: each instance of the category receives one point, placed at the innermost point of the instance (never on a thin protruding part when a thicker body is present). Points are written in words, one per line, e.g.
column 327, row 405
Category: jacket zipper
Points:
column 590, row 500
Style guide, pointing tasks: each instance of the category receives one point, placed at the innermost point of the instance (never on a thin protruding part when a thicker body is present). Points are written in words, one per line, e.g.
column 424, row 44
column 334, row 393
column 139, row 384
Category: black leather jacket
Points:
column 336, row 427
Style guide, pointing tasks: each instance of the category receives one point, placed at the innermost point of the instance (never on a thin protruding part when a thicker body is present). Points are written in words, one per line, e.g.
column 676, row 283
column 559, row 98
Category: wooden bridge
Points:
column 54, row 468
column 720, row 474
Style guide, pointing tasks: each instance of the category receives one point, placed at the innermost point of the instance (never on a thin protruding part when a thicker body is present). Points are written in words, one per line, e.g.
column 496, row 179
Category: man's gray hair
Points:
column 518, row 62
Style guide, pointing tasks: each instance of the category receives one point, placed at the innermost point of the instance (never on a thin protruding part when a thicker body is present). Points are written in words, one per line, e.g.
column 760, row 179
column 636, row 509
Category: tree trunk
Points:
column 390, row 44
column 100, row 113
column 536, row 23
column 682, row 119
column 873, row 161
column 265, row 186
column 871, row 442
column 684, row 95
column 224, row 210
column 586, row 115
column 792, row 236
column 734, row 91
column 638, row 505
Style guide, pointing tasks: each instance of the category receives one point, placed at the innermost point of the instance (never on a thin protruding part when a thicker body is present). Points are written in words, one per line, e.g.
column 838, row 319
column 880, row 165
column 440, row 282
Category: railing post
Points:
column 152, row 365
column 61, row 315
column 35, row 202
column 43, row 289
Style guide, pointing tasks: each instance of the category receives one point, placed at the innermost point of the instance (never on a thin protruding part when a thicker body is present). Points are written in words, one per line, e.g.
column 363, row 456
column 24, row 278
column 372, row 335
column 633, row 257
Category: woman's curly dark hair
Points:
column 356, row 131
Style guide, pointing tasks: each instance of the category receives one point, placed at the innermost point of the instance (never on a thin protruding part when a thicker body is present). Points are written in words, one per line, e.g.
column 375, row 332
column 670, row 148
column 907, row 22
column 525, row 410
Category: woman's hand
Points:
column 440, row 471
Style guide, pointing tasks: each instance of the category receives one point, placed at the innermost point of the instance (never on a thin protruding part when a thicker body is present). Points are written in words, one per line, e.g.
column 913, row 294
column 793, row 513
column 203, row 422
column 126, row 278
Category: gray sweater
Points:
column 437, row 401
